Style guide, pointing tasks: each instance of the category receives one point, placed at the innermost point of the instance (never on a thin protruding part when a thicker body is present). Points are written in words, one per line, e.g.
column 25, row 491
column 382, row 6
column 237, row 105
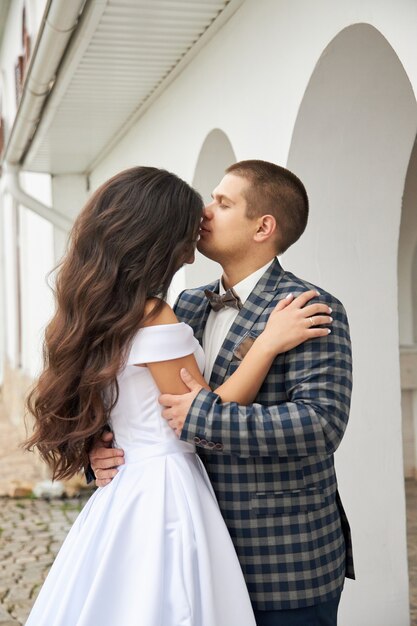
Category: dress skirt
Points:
column 149, row 549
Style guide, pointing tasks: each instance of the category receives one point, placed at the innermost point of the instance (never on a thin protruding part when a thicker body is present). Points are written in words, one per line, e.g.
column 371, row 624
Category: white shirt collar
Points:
column 247, row 285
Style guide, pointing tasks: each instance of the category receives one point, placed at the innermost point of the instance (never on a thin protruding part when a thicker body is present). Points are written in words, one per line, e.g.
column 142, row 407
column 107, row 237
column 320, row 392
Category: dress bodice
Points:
column 136, row 418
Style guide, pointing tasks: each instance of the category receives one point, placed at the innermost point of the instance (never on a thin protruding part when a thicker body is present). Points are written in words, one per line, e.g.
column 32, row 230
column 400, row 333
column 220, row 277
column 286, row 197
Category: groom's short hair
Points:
column 276, row 191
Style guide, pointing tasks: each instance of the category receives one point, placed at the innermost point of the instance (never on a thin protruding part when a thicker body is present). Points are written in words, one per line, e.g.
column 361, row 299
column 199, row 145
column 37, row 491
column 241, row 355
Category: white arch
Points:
column 351, row 146
column 407, row 310
column 406, row 253
column 414, row 290
column 215, row 155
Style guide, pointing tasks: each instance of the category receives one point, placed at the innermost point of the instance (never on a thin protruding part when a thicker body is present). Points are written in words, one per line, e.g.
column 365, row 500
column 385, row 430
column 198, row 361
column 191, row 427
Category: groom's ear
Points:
column 266, row 227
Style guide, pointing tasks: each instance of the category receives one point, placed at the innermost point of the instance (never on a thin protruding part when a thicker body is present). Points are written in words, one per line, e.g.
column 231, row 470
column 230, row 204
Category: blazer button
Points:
column 203, row 442
column 219, row 446
column 211, row 445
column 196, row 439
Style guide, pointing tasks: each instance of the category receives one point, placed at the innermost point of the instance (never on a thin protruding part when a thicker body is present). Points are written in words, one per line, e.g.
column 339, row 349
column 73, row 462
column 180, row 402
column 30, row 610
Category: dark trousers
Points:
column 324, row 614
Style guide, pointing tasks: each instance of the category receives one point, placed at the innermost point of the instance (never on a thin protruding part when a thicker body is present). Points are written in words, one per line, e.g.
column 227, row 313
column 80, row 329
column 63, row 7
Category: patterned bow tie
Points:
column 230, row 298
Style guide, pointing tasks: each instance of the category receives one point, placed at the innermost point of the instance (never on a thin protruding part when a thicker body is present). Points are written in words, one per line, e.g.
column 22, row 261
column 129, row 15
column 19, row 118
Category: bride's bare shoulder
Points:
column 158, row 312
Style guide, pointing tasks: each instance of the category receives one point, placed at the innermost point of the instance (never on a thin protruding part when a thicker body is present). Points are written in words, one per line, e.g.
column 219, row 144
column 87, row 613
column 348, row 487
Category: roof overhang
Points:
column 121, row 56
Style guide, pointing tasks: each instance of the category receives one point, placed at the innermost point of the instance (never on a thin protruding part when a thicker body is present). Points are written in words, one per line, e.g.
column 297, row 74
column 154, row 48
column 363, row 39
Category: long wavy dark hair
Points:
column 132, row 236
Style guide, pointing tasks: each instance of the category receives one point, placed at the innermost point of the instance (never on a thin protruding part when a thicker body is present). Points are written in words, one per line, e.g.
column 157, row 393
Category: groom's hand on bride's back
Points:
column 104, row 459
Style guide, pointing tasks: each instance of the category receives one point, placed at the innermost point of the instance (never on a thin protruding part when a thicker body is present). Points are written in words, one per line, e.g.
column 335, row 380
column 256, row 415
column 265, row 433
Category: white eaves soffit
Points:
column 124, row 53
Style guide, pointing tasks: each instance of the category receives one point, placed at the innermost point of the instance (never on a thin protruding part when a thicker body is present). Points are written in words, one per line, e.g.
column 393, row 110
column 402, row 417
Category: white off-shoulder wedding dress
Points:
column 151, row 548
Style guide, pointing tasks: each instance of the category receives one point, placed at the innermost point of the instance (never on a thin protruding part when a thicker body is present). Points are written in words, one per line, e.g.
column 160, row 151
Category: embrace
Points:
column 210, row 428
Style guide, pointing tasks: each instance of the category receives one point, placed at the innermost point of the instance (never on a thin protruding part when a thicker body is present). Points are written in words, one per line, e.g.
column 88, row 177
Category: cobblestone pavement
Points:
column 31, row 533
column 411, row 493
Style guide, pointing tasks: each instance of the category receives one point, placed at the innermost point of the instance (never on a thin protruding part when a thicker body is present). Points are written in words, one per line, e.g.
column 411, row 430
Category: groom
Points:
column 271, row 463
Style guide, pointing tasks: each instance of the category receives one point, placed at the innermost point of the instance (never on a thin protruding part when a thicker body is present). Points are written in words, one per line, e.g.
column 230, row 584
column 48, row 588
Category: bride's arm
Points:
column 288, row 326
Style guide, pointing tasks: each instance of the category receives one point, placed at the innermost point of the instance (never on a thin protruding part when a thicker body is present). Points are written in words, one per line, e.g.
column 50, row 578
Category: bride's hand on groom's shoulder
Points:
column 294, row 321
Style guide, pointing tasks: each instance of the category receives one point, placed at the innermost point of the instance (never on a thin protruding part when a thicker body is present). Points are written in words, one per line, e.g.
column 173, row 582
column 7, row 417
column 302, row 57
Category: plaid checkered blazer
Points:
column 271, row 463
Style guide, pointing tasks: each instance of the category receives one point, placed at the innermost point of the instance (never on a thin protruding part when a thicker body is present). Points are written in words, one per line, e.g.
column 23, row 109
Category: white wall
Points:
column 69, row 193
column 406, row 251
column 34, row 12
column 10, row 278
column 31, row 300
column 249, row 82
column 215, row 156
column 26, row 262
column 407, row 309
column 36, row 261
column 351, row 145
column 11, row 48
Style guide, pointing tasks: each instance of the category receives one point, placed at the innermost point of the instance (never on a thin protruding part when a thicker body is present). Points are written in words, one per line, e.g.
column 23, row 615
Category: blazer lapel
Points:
column 263, row 293
column 201, row 312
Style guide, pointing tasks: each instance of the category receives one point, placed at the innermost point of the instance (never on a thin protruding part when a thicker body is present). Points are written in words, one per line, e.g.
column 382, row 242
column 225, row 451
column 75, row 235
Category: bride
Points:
column 151, row 548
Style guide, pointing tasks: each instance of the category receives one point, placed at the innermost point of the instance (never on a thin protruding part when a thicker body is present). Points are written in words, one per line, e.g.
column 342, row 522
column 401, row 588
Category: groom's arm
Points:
column 318, row 382
column 104, row 460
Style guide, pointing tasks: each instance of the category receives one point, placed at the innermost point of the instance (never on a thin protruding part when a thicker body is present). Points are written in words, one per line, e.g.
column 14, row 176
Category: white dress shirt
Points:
column 219, row 323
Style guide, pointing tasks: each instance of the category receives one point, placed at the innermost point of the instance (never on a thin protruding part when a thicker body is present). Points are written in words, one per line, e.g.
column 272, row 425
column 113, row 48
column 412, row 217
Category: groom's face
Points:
column 226, row 231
